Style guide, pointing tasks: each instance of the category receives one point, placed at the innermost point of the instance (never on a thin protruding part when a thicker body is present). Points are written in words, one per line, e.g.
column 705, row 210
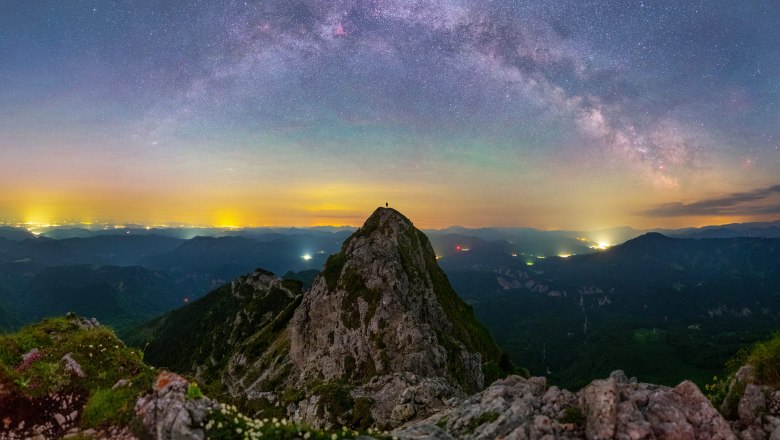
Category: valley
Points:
column 379, row 343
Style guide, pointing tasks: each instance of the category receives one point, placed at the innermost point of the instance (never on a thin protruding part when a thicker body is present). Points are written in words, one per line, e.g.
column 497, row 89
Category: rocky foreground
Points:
column 79, row 381
column 519, row 408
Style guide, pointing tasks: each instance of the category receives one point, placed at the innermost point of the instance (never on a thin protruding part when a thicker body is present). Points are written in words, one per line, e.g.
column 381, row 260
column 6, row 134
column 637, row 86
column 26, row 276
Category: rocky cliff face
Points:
column 218, row 336
column 380, row 339
column 614, row 408
column 383, row 306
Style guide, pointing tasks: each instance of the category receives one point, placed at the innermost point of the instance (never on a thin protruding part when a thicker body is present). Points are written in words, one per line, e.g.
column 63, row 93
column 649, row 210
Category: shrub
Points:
column 483, row 418
column 193, row 391
column 765, row 358
column 572, row 414
column 108, row 407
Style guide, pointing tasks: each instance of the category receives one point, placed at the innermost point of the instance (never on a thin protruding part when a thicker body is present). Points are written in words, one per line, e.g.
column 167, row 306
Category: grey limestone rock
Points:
column 166, row 413
column 752, row 405
column 613, row 408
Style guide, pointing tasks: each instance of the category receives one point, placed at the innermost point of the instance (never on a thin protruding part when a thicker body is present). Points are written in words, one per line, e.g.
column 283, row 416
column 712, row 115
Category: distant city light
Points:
column 306, row 257
column 564, row 255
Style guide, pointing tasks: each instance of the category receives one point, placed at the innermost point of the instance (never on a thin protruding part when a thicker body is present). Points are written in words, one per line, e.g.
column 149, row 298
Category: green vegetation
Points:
column 63, row 355
column 573, row 415
column 201, row 332
column 193, row 391
column 660, row 309
column 332, row 269
column 466, row 329
column 306, row 277
column 110, row 407
column 227, row 423
column 355, row 288
column 485, row 417
column 341, row 407
column 765, row 358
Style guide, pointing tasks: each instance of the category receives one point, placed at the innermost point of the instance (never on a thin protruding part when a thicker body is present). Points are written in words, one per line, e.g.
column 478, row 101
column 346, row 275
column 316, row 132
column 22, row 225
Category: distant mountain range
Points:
column 661, row 308
column 124, row 279
column 693, row 302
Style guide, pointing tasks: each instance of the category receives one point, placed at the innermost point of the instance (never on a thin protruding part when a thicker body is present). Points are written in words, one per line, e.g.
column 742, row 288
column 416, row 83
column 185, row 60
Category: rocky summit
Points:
column 380, row 339
column 384, row 319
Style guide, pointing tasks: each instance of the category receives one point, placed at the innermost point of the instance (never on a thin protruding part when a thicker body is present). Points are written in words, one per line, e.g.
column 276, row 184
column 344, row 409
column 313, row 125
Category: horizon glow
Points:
column 545, row 114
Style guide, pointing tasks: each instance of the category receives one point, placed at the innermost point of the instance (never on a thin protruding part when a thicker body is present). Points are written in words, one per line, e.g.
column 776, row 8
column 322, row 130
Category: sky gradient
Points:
column 550, row 114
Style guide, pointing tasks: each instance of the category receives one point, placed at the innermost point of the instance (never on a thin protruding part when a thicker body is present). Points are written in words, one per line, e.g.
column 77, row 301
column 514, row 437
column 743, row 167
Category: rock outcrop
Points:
column 380, row 339
column 383, row 319
column 167, row 413
column 752, row 407
column 614, row 408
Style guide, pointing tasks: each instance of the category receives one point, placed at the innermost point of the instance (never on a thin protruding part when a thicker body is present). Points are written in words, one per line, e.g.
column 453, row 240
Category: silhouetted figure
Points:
column 386, row 205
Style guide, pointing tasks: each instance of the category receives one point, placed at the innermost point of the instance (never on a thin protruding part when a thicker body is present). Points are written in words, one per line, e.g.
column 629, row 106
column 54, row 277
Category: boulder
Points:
column 166, row 413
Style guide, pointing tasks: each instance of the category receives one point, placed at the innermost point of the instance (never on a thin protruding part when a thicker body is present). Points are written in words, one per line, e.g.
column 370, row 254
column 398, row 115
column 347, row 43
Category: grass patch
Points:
column 573, row 415
column 109, row 407
column 483, row 418
column 63, row 355
column 765, row 358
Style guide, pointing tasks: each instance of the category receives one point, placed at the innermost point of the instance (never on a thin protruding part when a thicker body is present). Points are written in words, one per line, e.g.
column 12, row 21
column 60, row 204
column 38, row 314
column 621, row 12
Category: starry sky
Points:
column 552, row 114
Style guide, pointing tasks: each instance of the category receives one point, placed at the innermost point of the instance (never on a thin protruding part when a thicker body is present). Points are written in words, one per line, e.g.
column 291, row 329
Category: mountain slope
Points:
column 119, row 296
column 661, row 308
column 397, row 312
column 381, row 337
column 238, row 318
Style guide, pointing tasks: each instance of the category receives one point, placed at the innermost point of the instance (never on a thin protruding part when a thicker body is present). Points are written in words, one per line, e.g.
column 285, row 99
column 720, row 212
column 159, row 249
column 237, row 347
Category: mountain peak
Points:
column 650, row 237
column 386, row 219
column 387, row 213
column 383, row 317
column 381, row 330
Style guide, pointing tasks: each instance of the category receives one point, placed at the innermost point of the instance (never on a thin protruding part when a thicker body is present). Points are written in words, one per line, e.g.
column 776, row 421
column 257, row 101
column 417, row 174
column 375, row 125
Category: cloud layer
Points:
column 758, row 201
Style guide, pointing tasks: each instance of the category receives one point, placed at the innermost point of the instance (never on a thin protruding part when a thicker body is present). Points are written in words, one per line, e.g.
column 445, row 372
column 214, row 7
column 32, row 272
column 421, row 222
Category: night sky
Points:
column 551, row 114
